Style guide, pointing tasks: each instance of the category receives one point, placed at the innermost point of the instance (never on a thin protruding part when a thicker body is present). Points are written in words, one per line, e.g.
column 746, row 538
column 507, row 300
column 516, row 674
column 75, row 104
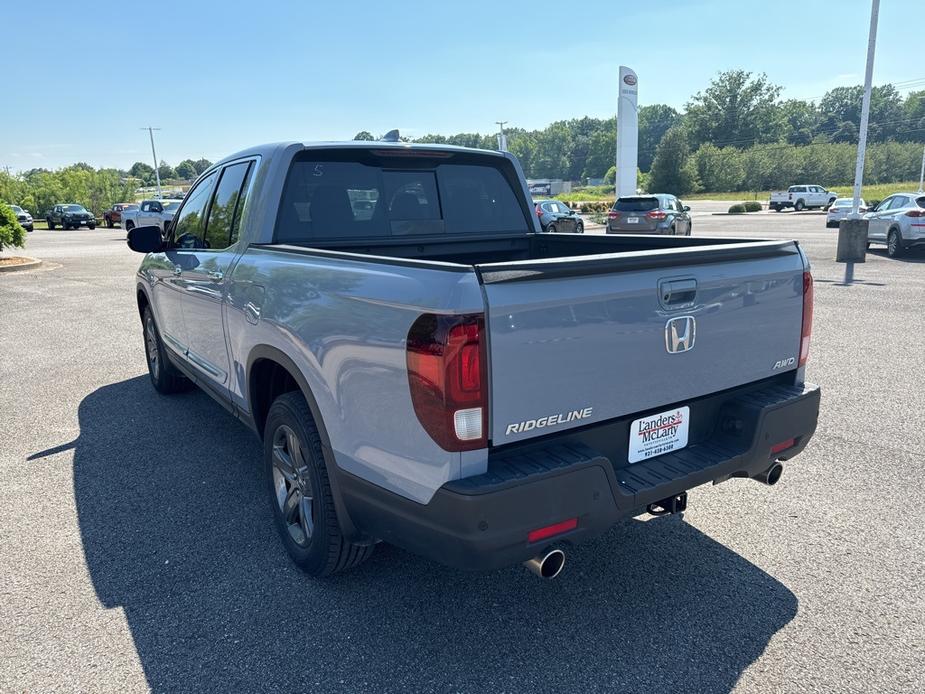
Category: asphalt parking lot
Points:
column 137, row 550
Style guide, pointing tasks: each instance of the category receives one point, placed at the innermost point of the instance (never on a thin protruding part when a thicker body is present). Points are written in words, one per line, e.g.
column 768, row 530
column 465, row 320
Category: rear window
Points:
column 920, row 201
column 636, row 204
column 329, row 200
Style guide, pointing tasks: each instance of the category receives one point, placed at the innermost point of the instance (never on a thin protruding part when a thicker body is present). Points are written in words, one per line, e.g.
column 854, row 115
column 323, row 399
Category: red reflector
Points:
column 783, row 445
column 613, row 215
column 551, row 530
column 656, row 214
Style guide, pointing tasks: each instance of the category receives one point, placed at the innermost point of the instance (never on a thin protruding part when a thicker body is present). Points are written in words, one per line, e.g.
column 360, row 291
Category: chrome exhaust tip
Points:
column 770, row 476
column 547, row 565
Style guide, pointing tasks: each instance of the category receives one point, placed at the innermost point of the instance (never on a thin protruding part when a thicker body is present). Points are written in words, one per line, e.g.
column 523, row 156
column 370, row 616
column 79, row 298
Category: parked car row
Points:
column 658, row 213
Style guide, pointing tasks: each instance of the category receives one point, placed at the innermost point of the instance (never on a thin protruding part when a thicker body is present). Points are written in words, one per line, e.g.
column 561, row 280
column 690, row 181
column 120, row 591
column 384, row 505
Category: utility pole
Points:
column 921, row 173
column 502, row 140
column 852, row 232
column 157, row 175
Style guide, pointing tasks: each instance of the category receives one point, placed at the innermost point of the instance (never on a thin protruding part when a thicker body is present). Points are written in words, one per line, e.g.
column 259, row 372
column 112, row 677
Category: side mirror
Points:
column 145, row 239
column 686, row 208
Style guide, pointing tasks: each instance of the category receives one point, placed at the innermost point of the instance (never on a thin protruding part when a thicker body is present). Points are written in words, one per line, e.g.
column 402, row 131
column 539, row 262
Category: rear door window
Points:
column 636, row 204
column 225, row 212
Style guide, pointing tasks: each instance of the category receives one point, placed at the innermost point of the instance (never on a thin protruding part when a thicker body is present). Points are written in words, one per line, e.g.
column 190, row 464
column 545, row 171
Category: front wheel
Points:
column 91, row 227
column 894, row 244
column 51, row 224
column 300, row 491
column 109, row 222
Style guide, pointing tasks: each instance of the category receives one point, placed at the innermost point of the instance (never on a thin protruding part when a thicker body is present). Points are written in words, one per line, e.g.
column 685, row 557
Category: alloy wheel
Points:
column 151, row 346
column 292, row 484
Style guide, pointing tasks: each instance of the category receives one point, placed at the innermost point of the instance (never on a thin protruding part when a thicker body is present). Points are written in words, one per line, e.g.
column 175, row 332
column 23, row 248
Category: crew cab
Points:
column 113, row 215
column 425, row 367
column 804, row 197
column 157, row 213
column 71, row 216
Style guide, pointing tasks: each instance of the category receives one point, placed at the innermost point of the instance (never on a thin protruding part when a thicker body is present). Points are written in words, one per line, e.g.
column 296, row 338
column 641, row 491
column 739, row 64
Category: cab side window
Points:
column 227, row 205
column 189, row 224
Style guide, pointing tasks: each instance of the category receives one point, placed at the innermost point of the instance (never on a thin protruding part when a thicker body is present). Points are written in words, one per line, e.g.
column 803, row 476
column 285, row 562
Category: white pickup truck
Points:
column 802, row 198
column 150, row 213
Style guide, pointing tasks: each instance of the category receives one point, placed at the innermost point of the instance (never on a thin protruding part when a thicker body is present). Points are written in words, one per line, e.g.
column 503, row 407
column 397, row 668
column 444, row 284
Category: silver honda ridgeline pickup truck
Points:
column 426, row 368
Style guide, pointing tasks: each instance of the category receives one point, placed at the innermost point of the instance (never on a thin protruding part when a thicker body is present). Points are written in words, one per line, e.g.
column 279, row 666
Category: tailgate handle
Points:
column 677, row 293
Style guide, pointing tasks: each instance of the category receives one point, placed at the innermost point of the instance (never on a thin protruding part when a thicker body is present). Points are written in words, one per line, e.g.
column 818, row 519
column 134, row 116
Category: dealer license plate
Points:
column 632, row 220
column 659, row 433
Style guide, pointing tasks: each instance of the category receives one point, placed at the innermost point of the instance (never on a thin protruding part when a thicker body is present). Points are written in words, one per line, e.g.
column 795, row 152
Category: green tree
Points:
column 186, row 169
column 11, row 231
column 201, row 165
column 142, row 171
column 913, row 126
column 365, row 136
column 843, row 105
column 602, row 148
column 800, row 119
column 673, row 169
column 610, row 178
column 166, row 171
column 736, row 109
column 654, row 121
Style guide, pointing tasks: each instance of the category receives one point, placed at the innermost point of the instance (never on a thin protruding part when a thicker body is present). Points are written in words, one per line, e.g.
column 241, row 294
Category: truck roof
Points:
column 273, row 147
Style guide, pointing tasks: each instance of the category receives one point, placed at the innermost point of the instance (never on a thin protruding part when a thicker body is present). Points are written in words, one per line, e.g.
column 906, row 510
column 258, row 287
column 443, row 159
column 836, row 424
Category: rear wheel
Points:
column 894, row 244
column 109, row 222
column 51, row 224
column 551, row 229
column 580, row 229
column 300, row 491
column 800, row 206
column 165, row 377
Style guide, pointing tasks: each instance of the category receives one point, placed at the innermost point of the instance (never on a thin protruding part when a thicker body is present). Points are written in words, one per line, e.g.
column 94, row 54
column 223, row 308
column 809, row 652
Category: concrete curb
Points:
column 33, row 263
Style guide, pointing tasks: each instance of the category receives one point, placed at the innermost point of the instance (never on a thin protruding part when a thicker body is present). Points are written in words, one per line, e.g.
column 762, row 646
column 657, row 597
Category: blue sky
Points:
column 221, row 76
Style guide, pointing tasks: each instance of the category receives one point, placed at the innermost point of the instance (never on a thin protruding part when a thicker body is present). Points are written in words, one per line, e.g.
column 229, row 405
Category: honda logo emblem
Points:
column 680, row 333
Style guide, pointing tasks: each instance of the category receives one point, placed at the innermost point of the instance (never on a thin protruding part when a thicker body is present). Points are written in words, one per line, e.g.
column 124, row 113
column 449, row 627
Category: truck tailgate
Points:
column 594, row 338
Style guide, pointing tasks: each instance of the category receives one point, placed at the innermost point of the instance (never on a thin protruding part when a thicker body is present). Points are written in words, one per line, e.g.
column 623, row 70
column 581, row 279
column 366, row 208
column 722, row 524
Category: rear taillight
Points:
column 807, row 329
column 915, row 213
column 539, row 211
column 446, row 373
column 656, row 214
column 613, row 214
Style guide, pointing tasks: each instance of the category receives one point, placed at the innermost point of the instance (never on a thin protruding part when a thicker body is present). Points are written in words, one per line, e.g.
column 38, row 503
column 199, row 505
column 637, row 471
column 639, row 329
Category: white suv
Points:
column 899, row 222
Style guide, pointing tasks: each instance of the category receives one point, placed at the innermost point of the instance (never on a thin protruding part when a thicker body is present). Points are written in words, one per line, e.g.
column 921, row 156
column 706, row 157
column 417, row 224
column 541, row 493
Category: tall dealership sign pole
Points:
column 627, row 133
column 852, row 232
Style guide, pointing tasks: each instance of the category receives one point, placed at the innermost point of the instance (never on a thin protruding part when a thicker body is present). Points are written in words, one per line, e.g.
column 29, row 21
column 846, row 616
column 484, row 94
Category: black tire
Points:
column 674, row 230
column 165, row 377
column 776, row 208
column 294, row 470
column 129, row 225
column 799, row 206
column 91, row 227
column 109, row 222
column 690, row 228
column 580, row 229
column 894, row 244
column 51, row 224
column 868, row 245
column 551, row 229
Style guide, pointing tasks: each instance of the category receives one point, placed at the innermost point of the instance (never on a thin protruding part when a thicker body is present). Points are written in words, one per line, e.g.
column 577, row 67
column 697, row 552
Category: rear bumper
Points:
column 482, row 522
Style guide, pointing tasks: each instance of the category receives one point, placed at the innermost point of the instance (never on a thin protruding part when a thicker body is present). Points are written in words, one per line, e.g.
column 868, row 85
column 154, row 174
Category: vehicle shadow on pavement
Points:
column 177, row 532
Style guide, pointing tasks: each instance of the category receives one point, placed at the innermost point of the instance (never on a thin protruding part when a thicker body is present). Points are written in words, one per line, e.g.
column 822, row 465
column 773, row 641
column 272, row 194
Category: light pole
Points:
column 157, row 175
column 502, row 141
column 852, row 233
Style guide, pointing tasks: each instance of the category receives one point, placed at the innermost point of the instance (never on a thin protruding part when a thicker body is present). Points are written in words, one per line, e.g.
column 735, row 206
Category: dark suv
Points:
column 70, row 217
column 555, row 216
column 658, row 213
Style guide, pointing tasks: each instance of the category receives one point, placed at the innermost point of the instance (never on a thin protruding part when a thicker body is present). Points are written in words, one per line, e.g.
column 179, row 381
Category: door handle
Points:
column 216, row 275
